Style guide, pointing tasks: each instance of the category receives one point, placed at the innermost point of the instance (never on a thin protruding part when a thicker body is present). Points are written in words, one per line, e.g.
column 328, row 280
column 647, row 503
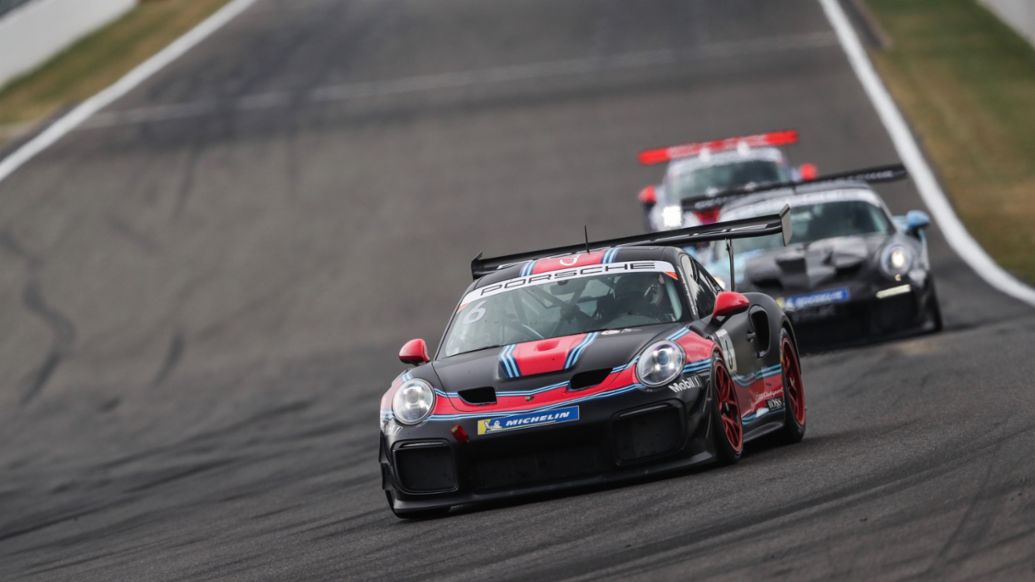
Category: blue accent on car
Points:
column 817, row 299
column 747, row 379
column 508, row 364
column 678, row 333
column 573, row 356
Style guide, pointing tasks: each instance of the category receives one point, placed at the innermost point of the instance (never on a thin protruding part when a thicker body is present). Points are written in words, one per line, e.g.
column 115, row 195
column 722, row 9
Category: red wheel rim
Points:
column 729, row 408
column 794, row 388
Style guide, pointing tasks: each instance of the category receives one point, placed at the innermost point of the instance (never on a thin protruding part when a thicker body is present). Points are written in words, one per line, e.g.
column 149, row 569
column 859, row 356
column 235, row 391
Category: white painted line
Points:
column 908, row 150
column 130, row 80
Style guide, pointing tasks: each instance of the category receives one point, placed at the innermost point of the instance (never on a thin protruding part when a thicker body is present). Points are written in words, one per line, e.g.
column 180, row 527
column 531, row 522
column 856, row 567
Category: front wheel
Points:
column 728, row 436
column 793, row 391
column 934, row 311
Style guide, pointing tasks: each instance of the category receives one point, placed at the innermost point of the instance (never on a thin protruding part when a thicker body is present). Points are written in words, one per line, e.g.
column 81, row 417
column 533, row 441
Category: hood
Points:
column 813, row 265
column 545, row 373
column 545, row 362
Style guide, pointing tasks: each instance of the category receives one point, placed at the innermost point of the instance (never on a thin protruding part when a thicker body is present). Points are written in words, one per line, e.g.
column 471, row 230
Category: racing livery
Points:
column 698, row 171
column 584, row 365
column 851, row 270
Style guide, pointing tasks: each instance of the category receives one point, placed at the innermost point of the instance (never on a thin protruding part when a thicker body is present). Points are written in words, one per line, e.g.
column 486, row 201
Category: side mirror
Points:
column 414, row 352
column 917, row 220
column 730, row 303
column 808, row 172
column 648, row 196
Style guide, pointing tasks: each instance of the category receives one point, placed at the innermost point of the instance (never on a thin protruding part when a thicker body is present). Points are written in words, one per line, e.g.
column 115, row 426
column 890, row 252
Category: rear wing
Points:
column 875, row 175
column 734, row 229
column 774, row 138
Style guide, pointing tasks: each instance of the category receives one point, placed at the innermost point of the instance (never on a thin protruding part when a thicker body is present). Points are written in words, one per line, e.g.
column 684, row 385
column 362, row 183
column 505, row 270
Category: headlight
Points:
column 413, row 401
column 660, row 364
column 896, row 260
column 672, row 216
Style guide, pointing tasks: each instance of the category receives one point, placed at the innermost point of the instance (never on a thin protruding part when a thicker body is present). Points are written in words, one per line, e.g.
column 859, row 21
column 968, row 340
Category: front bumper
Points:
column 873, row 309
column 627, row 436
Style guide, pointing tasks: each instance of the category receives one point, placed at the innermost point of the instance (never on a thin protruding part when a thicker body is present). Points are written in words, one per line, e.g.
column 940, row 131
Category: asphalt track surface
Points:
column 202, row 294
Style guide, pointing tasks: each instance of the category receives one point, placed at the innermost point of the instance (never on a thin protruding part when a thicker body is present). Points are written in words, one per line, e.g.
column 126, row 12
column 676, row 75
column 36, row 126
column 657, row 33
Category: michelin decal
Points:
column 528, row 420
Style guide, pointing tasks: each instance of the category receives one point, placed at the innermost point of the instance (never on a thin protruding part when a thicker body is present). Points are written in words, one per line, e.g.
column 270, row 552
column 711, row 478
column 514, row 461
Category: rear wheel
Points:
column 793, row 391
column 728, row 436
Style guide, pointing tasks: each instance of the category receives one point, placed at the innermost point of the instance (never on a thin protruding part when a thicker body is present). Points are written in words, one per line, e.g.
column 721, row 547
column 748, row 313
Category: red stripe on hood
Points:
column 545, row 356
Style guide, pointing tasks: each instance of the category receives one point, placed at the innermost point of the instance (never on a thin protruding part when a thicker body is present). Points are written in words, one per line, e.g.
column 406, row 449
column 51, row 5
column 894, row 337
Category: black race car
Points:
column 588, row 364
column 851, row 272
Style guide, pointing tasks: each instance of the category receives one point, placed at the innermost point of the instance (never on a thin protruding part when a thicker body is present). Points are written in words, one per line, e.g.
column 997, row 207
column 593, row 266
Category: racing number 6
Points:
column 476, row 313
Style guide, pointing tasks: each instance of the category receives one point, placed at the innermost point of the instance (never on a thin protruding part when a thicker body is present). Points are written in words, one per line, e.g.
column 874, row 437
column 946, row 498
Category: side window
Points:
column 693, row 288
column 711, row 282
column 705, row 299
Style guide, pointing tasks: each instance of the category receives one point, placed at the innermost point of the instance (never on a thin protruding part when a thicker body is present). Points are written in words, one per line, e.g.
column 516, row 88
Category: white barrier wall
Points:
column 1019, row 14
column 34, row 32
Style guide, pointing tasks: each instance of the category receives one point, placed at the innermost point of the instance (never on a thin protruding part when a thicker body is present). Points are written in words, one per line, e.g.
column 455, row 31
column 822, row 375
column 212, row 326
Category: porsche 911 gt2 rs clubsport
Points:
column 584, row 365
column 851, row 271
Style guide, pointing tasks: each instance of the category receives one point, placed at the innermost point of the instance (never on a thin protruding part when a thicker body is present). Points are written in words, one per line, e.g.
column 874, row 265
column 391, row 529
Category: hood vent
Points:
column 584, row 380
column 486, row 395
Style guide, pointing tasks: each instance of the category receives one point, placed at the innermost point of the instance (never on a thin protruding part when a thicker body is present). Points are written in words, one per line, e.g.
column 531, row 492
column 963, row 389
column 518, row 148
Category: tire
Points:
column 417, row 514
column 728, row 436
column 794, row 410
column 934, row 311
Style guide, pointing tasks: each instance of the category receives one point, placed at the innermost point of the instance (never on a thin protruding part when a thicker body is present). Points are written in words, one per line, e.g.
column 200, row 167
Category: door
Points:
column 735, row 337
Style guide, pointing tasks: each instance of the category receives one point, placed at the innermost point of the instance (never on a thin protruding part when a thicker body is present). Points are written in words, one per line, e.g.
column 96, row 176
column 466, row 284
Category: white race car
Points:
column 698, row 171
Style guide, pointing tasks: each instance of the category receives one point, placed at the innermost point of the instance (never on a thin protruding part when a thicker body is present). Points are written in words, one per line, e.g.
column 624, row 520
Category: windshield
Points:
column 814, row 222
column 709, row 180
column 568, row 306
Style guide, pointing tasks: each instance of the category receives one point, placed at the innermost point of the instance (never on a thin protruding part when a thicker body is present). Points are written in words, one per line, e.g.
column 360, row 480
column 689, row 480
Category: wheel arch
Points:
column 777, row 320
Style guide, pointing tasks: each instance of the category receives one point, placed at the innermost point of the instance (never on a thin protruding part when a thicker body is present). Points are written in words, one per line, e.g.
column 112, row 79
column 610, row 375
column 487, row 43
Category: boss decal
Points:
column 565, row 274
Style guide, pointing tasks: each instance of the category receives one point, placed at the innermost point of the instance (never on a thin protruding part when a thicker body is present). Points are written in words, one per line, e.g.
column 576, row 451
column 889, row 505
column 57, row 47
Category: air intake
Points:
column 486, row 395
column 584, row 380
